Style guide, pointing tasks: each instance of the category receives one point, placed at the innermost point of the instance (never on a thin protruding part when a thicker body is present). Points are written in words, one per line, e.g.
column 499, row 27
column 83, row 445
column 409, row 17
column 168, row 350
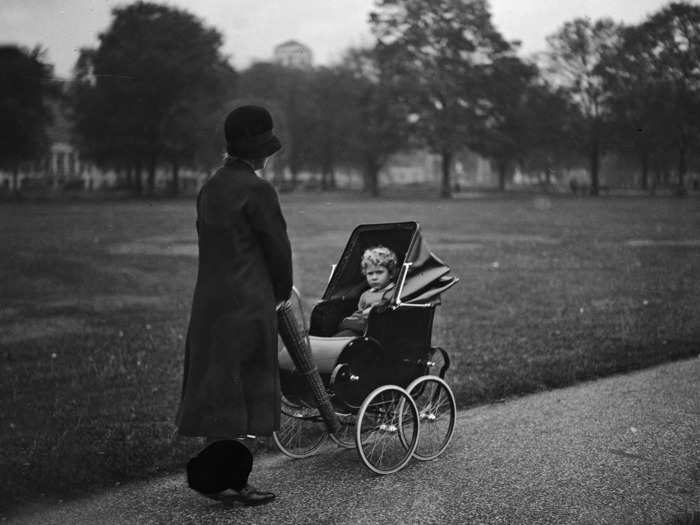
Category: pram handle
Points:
column 297, row 294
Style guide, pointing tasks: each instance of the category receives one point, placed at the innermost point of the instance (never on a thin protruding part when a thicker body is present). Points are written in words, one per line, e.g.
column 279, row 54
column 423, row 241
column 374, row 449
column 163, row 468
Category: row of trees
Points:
column 154, row 92
column 636, row 88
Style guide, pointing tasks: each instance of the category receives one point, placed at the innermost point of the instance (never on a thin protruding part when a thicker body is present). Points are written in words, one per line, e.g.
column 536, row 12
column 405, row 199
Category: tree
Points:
column 554, row 124
column 653, row 79
column 636, row 102
column 505, row 137
column 24, row 111
column 287, row 92
column 334, row 117
column 381, row 126
column 575, row 62
column 145, row 95
column 439, row 55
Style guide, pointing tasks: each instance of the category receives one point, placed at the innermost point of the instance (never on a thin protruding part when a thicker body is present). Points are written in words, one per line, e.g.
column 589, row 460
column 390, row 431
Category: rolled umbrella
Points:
column 299, row 351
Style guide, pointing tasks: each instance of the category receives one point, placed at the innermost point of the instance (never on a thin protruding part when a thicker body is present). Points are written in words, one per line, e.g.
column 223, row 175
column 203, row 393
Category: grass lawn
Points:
column 96, row 296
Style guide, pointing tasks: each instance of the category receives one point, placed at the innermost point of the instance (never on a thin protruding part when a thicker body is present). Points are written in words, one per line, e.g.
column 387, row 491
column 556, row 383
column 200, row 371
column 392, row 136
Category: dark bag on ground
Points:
column 222, row 465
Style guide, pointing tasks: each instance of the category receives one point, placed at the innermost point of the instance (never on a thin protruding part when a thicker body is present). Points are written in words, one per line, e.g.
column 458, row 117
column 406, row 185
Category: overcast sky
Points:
column 251, row 28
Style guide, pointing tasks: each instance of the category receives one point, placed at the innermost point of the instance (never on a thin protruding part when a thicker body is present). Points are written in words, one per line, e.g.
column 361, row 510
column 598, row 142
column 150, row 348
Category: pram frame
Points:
column 418, row 362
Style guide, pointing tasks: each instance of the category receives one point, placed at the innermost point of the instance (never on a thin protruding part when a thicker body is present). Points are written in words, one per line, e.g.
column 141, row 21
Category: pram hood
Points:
column 428, row 276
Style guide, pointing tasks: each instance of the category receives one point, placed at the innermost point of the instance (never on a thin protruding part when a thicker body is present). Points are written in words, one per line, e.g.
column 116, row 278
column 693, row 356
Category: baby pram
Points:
column 386, row 387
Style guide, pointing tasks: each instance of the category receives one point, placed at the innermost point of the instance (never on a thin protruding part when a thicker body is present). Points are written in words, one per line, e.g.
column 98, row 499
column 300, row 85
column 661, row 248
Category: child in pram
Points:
column 379, row 267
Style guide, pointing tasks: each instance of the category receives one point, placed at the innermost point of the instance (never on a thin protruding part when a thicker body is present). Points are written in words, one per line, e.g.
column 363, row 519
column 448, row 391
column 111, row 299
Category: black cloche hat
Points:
column 248, row 132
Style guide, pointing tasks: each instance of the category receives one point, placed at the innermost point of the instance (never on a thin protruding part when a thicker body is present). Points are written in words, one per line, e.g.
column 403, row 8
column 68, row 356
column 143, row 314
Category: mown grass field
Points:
column 95, row 300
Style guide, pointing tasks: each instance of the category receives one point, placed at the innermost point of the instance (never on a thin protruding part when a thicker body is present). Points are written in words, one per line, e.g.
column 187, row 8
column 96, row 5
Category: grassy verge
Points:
column 95, row 299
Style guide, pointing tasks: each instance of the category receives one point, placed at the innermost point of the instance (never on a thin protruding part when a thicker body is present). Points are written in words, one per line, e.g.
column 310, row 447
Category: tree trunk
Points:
column 295, row 165
column 130, row 177
column 152, row 175
column 655, row 181
column 682, row 168
column 594, row 166
column 446, row 186
column 645, row 170
column 138, row 181
column 371, row 181
column 176, row 178
column 15, row 182
column 502, row 174
column 326, row 174
column 294, row 177
column 277, row 173
column 327, row 169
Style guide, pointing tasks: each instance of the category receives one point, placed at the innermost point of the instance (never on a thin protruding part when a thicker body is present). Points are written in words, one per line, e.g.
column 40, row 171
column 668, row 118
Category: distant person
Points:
column 231, row 385
column 378, row 265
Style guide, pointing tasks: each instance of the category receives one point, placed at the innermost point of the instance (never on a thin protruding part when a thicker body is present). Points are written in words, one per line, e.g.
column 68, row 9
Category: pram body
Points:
column 388, row 384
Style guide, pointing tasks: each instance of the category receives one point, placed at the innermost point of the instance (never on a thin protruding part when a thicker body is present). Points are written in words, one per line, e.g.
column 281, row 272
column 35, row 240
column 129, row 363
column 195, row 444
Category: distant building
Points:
column 63, row 164
column 60, row 166
column 293, row 54
column 419, row 166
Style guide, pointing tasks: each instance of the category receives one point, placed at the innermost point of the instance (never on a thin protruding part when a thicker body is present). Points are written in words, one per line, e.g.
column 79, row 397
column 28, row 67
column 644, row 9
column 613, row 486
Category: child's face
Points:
column 377, row 276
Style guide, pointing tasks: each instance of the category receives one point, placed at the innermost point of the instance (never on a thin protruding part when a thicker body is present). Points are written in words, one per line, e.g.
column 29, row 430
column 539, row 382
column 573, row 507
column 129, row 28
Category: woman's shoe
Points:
column 251, row 496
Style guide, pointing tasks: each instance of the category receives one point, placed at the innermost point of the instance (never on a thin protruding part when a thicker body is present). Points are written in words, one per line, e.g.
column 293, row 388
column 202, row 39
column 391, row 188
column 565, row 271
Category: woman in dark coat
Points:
column 231, row 382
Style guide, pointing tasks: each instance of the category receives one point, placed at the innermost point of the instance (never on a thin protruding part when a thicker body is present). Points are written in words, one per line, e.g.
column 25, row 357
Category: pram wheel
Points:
column 436, row 412
column 345, row 437
column 386, row 431
column 301, row 432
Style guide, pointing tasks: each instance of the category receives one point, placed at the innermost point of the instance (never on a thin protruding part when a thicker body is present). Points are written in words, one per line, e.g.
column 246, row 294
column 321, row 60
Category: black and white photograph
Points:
column 338, row 262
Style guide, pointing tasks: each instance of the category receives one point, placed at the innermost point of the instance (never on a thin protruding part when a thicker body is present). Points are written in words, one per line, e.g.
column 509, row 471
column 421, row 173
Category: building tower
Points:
column 293, row 54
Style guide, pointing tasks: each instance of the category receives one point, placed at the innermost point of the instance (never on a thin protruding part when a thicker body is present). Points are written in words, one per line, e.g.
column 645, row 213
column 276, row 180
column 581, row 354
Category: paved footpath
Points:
column 624, row 449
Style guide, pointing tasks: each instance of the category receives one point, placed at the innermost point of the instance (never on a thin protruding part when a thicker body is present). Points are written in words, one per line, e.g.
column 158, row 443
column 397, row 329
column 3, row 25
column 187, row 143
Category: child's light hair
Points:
column 379, row 256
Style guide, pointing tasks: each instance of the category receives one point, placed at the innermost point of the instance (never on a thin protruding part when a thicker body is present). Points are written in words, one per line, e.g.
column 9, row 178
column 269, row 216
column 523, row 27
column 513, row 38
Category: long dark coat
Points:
column 231, row 382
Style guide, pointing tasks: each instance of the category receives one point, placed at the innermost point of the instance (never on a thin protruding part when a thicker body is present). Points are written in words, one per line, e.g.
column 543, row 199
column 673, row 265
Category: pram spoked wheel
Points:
column 386, row 431
column 437, row 411
column 345, row 437
column 301, row 430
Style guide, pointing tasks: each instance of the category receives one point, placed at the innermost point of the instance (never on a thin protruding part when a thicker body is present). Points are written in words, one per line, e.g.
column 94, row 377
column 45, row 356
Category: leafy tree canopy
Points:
column 24, row 105
column 576, row 53
column 441, row 53
column 380, row 127
column 149, row 90
column 653, row 82
column 575, row 62
column 286, row 91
